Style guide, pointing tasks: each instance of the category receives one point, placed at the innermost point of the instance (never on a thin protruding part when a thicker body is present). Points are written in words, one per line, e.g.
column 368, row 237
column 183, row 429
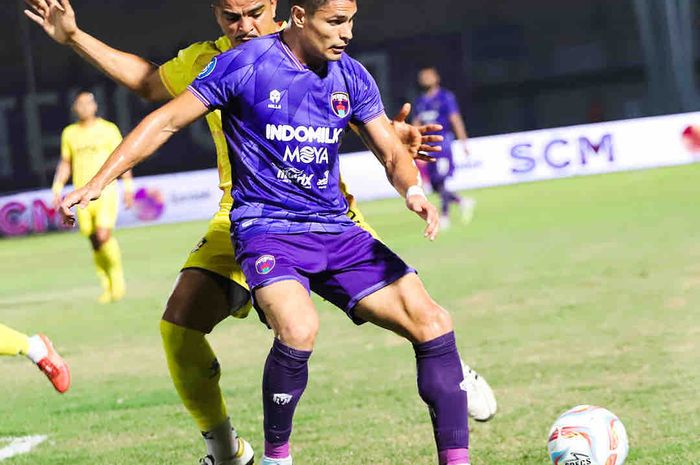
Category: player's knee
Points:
column 103, row 235
column 299, row 335
column 429, row 321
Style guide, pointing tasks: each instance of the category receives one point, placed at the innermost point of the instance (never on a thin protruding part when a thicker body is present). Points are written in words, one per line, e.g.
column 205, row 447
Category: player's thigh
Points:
column 290, row 312
column 214, row 253
column 406, row 308
column 86, row 220
column 106, row 209
column 198, row 301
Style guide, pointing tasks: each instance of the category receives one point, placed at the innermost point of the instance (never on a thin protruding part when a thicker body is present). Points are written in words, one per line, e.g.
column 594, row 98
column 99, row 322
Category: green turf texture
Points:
column 582, row 290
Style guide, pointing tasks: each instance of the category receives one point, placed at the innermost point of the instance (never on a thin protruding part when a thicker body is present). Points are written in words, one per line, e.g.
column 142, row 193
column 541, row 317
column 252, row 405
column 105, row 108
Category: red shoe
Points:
column 54, row 367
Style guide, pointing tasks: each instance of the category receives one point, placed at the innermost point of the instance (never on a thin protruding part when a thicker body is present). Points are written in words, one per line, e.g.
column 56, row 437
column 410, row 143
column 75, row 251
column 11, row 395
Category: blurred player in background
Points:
column 38, row 349
column 211, row 285
column 85, row 145
column 439, row 106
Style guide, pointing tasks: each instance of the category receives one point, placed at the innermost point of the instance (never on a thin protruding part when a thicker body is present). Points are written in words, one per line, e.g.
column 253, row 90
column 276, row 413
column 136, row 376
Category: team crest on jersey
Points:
column 265, row 264
column 340, row 103
column 207, row 69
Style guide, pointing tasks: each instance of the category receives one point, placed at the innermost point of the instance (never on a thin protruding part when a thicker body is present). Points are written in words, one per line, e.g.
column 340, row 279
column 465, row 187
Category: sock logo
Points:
column 281, row 399
column 463, row 385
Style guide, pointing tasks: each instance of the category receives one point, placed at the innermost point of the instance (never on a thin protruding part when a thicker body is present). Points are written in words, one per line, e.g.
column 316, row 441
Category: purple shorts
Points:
column 343, row 268
column 443, row 168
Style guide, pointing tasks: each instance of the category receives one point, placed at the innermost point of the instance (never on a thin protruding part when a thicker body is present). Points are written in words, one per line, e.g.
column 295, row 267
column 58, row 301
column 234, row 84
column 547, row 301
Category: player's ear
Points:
column 298, row 16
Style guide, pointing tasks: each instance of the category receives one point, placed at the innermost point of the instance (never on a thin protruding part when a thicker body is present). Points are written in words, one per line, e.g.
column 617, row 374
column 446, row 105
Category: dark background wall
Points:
column 514, row 64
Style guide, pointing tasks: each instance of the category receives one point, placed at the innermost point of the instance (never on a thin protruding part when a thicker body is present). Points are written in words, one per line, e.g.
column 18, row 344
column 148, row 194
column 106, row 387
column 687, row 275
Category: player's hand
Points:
column 80, row 197
column 56, row 202
column 426, row 210
column 416, row 139
column 128, row 200
column 465, row 148
column 56, row 17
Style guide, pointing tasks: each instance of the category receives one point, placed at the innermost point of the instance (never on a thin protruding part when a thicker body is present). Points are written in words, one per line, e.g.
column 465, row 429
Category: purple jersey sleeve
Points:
column 451, row 105
column 218, row 83
column 366, row 98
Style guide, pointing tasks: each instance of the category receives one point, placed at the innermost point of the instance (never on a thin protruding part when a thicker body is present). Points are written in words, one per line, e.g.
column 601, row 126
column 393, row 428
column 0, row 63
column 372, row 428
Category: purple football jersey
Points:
column 283, row 125
column 437, row 108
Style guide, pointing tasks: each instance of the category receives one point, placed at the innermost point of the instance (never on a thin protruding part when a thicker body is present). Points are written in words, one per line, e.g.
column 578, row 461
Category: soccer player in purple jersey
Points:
column 439, row 106
column 286, row 100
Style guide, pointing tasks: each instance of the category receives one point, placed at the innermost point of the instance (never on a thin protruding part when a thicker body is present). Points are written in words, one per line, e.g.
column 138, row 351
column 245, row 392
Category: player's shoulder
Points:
column 69, row 130
column 446, row 93
column 244, row 55
column 348, row 63
column 107, row 124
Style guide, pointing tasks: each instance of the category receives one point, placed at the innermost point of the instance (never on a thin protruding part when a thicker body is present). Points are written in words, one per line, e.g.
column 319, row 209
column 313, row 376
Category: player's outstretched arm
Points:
column 63, row 171
column 137, row 74
column 141, row 143
column 401, row 170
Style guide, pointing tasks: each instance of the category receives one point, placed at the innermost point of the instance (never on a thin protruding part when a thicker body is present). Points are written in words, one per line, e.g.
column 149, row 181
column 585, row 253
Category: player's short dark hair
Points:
column 310, row 6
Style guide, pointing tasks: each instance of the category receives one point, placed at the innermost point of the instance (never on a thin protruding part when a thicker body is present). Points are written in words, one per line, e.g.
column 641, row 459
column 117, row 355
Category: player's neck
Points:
column 292, row 40
column 432, row 91
column 86, row 123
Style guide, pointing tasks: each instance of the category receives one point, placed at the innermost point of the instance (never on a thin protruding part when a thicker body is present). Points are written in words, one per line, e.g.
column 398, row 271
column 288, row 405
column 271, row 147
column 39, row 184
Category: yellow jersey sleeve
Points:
column 179, row 72
column 65, row 145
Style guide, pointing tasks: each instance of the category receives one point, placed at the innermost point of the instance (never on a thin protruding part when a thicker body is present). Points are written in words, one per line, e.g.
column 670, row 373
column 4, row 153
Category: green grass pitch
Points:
column 574, row 291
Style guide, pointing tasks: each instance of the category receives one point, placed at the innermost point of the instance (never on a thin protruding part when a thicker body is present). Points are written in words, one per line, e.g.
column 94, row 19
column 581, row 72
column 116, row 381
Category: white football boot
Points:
column 481, row 401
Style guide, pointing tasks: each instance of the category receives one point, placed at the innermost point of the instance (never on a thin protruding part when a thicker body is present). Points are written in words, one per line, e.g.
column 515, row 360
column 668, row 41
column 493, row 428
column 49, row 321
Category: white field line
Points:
column 19, row 445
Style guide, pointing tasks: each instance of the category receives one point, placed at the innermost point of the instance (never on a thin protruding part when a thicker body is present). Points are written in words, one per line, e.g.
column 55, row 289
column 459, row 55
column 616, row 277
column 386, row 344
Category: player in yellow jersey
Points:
column 210, row 286
column 38, row 349
column 85, row 145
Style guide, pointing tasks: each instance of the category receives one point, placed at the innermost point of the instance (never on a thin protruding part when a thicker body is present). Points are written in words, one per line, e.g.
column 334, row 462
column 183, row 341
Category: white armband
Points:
column 415, row 190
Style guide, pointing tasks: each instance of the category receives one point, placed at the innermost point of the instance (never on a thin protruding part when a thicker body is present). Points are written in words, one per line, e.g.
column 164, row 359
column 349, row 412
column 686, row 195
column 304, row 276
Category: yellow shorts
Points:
column 101, row 213
column 214, row 253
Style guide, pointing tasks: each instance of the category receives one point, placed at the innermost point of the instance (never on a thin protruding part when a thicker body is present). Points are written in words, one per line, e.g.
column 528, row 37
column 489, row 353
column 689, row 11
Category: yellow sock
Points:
column 195, row 373
column 101, row 265
column 111, row 256
column 13, row 342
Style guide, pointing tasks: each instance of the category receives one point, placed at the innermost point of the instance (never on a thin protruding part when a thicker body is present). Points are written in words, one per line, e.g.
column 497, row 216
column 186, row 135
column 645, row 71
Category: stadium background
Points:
column 564, row 292
column 514, row 66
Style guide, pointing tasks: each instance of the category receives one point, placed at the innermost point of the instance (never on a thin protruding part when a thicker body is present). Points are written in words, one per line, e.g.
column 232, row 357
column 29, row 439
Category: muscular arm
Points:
column 140, row 144
column 137, row 74
column 400, row 169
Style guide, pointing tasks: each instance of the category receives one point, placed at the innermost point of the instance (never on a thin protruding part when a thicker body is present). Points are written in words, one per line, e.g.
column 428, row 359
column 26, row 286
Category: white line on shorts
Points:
column 19, row 445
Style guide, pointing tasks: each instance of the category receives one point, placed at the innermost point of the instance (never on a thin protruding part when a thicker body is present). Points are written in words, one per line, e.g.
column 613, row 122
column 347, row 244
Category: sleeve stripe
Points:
column 199, row 96
column 372, row 116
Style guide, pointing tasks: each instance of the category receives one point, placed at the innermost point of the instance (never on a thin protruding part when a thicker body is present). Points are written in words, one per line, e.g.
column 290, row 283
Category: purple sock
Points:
column 439, row 379
column 284, row 380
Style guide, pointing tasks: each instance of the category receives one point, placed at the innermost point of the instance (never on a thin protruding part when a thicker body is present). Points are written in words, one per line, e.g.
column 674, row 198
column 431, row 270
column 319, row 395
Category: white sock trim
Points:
column 37, row 349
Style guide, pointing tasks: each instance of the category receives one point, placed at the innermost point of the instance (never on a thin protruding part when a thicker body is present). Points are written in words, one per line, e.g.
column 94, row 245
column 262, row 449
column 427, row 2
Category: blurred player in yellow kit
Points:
column 38, row 349
column 85, row 145
column 211, row 285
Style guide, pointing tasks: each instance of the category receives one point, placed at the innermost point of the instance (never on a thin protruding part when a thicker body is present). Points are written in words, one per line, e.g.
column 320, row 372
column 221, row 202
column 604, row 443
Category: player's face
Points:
column 428, row 78
column 85, row 106
column 242, row 20
column 328, row 31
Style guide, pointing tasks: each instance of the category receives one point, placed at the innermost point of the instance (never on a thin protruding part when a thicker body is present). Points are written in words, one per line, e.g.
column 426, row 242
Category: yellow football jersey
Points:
column 179, row 73
column 88, row 147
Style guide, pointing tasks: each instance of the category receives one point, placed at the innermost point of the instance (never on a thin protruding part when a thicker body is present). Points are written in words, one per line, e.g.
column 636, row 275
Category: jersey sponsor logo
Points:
column 296, row 176
column 306, row 154
column 429, row 116
column 265, row 264
column 340, row 103
column 287, row 133
column 281, row 399
column 275, row 97
column 207, row 69
column 323, row 182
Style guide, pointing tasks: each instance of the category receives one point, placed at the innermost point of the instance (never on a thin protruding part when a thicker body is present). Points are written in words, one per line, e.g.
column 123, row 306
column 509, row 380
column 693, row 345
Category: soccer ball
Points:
column 588, row 435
